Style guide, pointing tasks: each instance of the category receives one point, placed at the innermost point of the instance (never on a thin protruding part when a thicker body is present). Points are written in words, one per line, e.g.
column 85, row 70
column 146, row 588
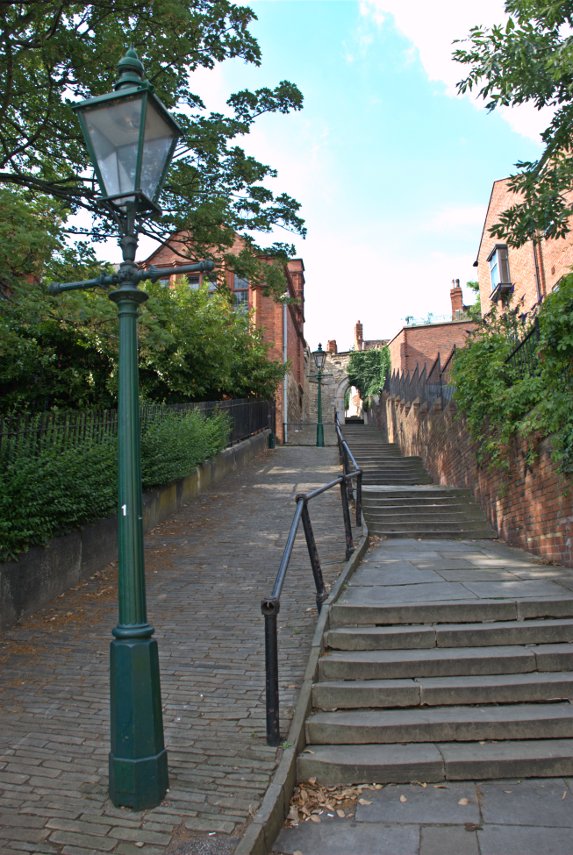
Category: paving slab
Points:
column 346, row 837
column 368, row 575
column 516, row 802
column 519, row 840
column 428, row 805
column 518, row 589
column 411, row 594
column 449, row 840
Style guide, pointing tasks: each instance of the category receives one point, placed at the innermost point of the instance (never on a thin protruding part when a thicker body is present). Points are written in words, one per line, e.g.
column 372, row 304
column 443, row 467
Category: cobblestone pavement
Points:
column 207, row 569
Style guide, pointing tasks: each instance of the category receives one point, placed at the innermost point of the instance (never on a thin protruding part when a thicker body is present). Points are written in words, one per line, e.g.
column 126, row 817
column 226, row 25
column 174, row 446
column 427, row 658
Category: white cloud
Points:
column 379, row 283
column 455, row 219
column 433, row 27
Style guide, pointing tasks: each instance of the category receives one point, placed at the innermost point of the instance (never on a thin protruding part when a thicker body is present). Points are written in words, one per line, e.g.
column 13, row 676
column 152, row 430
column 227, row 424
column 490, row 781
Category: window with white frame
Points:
column 240, row 292
column 498, row 261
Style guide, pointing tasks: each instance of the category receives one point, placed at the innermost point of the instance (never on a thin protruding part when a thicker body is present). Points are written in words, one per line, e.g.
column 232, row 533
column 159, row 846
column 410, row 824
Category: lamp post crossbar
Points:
column 108, row 280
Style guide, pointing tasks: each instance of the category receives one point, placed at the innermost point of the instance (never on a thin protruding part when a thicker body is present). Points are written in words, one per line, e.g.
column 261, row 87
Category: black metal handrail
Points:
column 270, row 606
column 349, row 464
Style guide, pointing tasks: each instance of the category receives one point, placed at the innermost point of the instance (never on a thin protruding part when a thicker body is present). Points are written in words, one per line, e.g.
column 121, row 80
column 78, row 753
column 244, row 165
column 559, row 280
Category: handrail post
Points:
column 270, row 608
column 346, row 515
column 347, row 468
column 321, row 593
column 359, row 497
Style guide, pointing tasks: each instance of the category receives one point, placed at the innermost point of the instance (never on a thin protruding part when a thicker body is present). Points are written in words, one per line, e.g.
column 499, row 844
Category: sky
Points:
column 392, row 167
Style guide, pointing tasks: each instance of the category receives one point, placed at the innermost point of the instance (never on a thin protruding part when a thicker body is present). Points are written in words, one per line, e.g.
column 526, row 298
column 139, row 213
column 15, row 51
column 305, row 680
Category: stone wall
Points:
column 530, row 505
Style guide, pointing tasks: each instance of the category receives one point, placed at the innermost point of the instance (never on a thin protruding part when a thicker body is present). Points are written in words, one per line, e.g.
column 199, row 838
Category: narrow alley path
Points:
column 207, row 570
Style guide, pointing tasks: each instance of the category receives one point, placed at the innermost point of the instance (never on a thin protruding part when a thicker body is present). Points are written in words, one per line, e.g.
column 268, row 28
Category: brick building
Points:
column 420, row 345
column 528, row 272
column 369, row 344
column 281, row 323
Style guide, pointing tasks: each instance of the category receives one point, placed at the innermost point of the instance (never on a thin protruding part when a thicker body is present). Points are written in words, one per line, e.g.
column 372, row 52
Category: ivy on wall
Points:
column 503, row 398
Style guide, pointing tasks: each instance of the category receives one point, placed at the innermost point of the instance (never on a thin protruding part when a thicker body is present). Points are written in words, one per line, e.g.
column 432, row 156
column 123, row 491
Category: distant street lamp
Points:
column 319, row 357
column 131, row 138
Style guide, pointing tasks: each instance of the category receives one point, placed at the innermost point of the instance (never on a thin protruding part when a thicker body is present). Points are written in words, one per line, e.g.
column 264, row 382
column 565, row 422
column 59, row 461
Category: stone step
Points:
column 424, row 515
column 389, row 459
column 421, row 491
column 532, row 687
column 441, row 724
column 402, row 504
column 450, row 635
column 444, row 662
column 457, row 611
column 465, row 532
column 394, row 480
column 434, row 762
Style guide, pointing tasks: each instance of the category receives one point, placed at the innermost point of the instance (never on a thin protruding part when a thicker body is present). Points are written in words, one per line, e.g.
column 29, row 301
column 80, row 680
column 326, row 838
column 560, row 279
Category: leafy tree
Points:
column 62, row 354
column 474, row 311
column 56, row 52
column 50, row 350
column 528, row 60
column 367, row 370
column 195, row 346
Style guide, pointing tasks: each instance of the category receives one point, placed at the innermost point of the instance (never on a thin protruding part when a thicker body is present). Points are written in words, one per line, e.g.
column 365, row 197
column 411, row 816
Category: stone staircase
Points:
column 443, row 659
column 399, row 499
column 444, row 691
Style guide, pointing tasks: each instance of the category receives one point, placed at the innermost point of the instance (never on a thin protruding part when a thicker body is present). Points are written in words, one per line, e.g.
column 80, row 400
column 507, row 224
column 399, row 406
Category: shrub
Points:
column 60, row 488
column 501, row 399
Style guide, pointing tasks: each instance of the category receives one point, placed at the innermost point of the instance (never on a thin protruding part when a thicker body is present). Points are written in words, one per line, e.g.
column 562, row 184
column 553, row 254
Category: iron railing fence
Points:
column 426, row 386
column 436, row 383
column 31, row 435
column 524, row 358
column 270, row 606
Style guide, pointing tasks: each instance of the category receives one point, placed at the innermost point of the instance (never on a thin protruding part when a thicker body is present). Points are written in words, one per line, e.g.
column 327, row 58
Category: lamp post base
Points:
column 320, row 435
column 138, row 776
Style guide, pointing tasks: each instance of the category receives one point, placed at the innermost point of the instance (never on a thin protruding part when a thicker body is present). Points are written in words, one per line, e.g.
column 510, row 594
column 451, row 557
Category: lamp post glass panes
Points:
column 131, row 139
column 319, row 357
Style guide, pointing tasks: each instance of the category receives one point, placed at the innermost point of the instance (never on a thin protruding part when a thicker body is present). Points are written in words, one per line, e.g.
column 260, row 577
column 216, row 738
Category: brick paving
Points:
column 207, row 569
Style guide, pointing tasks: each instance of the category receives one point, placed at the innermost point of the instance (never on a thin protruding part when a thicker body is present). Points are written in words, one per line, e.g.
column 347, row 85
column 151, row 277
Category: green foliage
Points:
column 528, row 60
column 367, row 370
column 502, row 400
column 474, row 311
column 70, row 483
column 57, row 52
column 190, row 438
column 194, row 346
column 62, row 353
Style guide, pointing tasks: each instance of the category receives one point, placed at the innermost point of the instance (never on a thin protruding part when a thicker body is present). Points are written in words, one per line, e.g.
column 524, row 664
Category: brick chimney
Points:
column 331, row 347
column 457, row 298
column 358, row 336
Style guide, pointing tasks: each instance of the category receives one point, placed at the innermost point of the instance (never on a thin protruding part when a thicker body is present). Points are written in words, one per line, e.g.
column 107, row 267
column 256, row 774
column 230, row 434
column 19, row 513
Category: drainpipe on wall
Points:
column 285, row 380
column 537, row 273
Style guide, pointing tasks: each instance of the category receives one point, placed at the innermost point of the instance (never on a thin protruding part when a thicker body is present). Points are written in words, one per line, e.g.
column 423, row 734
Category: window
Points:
column 499, row 272
column 165, row 282
column 241, row 292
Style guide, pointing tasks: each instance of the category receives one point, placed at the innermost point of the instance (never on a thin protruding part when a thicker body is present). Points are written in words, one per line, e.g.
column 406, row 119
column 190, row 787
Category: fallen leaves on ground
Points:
column 310, row 800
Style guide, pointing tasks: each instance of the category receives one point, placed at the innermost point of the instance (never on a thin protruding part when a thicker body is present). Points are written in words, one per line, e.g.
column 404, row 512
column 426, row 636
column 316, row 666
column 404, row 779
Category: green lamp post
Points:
column 319, row 357
column 131, row 138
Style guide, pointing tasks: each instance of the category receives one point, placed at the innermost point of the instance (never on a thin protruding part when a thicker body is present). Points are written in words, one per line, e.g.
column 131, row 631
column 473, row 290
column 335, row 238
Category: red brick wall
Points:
column 268, row 317
column 421, row 345
column 531, row 283
column 531, row 505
